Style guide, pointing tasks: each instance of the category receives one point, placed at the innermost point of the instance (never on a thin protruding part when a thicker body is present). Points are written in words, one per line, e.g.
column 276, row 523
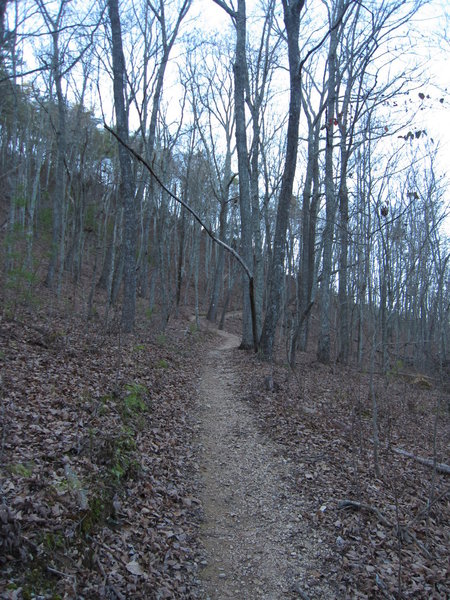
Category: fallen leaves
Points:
column 96, row 475
column 98, row 465
column 134, row 568
column 324, row 423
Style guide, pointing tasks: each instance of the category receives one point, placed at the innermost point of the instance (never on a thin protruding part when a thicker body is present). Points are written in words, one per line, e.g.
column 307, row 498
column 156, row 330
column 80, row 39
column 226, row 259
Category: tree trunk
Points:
column 256, row 224
column 309, row 218
column 3, row 4
column 276, row 271
column 344, row 333
column 240, row 84
column 126, row 186
column 218, row 274
column 324, row 343
column 180, row 258
column 55, row 266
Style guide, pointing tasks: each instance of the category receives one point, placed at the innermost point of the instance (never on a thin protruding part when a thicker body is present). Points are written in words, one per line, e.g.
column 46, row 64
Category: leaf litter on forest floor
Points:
column 395, row 539
column 97, row 462
column 68, row 435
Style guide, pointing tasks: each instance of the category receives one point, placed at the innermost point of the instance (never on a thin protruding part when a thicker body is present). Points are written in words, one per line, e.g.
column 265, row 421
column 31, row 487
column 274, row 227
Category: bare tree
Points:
column 126, row 184
column 291, row 11
column 310, row 207
column 3, row 33
column 239, row 20
column 54, row 25
column 212, row 100
column 161, row 27
column 261, row 68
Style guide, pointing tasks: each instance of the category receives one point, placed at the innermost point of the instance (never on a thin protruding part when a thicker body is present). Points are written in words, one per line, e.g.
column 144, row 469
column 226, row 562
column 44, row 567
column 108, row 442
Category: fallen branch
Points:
column 184, row 204
column 405, row 534
column 363, row 506
column 428, row 462
column 197, row 217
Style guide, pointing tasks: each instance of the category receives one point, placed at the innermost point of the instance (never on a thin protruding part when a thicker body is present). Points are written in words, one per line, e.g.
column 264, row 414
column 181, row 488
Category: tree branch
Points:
column 322, row 41
column 428, row 462
column 226, row 8
column 218, row 241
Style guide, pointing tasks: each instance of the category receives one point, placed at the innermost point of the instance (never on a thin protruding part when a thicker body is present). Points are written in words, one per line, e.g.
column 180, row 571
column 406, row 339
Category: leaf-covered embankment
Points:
column 97, row 461
column 387, row 536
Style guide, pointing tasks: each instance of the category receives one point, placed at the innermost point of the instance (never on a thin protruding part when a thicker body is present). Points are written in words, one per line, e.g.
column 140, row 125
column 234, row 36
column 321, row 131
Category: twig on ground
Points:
column 57, row 572
column 402, row 532
column 424, row 510
column 428, row 462
column 363, row 506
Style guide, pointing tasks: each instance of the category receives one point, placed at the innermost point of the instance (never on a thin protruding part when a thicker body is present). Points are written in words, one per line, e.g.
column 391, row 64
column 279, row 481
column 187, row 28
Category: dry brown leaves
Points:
column 392, row 539
column 98, row 466
column 97, row 463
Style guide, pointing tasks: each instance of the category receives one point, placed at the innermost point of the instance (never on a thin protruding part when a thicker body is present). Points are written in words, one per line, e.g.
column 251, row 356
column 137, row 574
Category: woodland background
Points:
column 345, row 212
column 309, row 138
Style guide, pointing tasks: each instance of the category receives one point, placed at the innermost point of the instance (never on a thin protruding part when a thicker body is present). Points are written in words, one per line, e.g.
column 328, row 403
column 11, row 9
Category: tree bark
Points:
column 56, row 252
column 324, row 343
column 3, row 4
column 344, row 332
column 126, row 185
column 240, row 85
column 291, row 11
column 310, row 205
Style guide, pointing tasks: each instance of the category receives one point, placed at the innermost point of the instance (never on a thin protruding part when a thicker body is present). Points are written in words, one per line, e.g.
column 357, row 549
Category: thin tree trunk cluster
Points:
column 322, row 200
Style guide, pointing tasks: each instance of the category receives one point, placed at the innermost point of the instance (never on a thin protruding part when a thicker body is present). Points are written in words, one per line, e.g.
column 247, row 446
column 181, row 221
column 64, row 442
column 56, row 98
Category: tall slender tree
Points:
column 239, row 19
column 310, row 207
column 126, row 183
column 291, row 12
column 3, row 5
column 261, row 67
column 54, row 25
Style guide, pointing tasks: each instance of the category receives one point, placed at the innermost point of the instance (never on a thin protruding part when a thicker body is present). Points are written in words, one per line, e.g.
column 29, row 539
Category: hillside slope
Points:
column 102, row 464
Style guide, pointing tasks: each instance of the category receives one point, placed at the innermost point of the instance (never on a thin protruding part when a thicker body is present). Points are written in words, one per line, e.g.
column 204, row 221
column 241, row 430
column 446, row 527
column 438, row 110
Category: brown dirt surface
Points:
column 257, row 545
column 392, row 539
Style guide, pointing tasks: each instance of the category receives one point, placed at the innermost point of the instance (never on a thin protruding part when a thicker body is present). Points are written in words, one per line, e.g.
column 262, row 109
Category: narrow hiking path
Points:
column 257, row 545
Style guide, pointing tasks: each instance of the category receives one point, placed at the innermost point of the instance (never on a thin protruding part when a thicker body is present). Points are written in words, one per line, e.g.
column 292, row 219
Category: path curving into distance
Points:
column 257, row 545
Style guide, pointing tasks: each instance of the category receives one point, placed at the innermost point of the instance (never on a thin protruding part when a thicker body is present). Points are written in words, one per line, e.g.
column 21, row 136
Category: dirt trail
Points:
column 257, row 546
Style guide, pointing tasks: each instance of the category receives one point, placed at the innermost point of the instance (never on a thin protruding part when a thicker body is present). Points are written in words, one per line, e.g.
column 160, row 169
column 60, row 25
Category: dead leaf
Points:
column 134, row 568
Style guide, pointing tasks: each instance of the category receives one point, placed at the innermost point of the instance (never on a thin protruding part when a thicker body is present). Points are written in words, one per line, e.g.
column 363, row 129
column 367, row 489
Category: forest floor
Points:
column 256, row 543
column 173, row 465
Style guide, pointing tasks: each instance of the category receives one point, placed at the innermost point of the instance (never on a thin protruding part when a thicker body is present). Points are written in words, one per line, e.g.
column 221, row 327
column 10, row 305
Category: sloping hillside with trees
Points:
column 277, row 169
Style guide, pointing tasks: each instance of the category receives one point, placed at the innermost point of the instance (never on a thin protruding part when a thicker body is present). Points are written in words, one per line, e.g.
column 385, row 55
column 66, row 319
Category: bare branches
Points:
column 230, row 10
column 185, row 205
